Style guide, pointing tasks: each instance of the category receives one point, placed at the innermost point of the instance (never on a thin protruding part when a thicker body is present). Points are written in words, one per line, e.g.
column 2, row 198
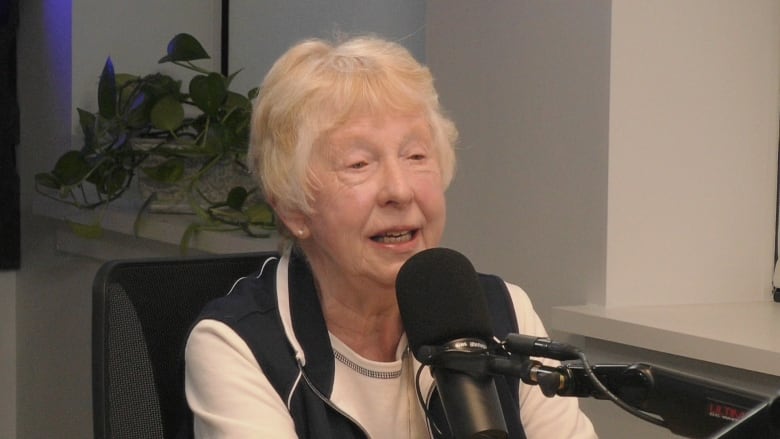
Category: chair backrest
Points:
column 142, row 310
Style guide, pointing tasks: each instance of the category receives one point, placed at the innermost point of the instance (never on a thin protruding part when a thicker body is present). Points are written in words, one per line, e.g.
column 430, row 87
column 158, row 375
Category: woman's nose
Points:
column 395, row 185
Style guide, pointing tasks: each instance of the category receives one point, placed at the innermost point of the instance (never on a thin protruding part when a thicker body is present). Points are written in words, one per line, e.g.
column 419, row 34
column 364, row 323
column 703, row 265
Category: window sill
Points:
column 742, row 335
column 159, row 234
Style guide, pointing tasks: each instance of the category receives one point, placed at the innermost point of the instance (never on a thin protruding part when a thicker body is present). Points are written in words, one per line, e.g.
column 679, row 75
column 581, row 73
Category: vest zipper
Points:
column 327, row 401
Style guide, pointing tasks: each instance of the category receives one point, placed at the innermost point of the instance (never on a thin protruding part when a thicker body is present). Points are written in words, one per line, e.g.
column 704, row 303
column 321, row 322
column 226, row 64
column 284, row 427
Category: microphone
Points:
column 443, row 309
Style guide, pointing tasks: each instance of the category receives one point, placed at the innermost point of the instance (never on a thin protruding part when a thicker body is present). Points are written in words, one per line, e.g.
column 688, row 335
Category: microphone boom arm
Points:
column 688, row 405
column 685, row 404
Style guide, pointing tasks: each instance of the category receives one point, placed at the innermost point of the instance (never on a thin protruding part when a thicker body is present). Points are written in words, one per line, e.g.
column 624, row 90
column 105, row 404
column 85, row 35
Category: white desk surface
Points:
column 743, row 335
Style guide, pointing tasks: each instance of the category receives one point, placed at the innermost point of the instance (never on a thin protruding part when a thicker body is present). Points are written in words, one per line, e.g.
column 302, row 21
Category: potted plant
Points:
column 175, row 141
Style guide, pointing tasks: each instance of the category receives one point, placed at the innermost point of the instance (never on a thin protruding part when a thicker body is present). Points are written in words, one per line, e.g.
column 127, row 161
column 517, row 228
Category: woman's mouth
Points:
column 394, row 237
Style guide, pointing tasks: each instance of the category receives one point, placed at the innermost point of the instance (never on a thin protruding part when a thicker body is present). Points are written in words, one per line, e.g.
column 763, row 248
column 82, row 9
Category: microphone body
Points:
column 470, row 400
column 445, row 316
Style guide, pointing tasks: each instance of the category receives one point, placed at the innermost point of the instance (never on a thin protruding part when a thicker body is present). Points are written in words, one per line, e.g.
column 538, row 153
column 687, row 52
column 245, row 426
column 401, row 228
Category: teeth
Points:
column 394, row 237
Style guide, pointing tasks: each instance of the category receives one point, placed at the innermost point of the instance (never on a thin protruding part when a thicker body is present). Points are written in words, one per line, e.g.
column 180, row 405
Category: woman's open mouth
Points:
column 394, row 237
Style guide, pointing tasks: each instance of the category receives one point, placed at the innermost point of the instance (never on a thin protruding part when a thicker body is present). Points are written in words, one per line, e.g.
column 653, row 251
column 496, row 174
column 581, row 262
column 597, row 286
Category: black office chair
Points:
column 141, row 313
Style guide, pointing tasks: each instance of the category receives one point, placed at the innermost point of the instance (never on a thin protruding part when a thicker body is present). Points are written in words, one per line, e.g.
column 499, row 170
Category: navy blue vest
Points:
column 251, row 311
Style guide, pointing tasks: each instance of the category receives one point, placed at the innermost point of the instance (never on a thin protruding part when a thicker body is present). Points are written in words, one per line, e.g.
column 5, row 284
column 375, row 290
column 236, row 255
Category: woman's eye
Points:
column 358, row 165
column 417, row 157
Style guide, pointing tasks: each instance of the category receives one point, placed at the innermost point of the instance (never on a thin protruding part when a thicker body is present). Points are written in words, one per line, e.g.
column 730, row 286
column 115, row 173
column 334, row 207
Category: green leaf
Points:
column 71, row 168
column 170, row 171
column 214, row 141
column 235, row 100
column 227, row 215
column 208, row 92
column 167, row 114
column 114, row 181
column 123, row 79
column 260, row 214
column 127, row 87
column 137, row 114
column 89, row 231
column 184, row 47
column 47, row 180
column 158, row 85
column 235, row 133
column 107, row 91
column 87, row 123
column 109, row 177
column 236, row 197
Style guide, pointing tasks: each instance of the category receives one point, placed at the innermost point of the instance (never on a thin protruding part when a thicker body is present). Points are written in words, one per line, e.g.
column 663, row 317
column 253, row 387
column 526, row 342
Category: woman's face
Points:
column 378, row 199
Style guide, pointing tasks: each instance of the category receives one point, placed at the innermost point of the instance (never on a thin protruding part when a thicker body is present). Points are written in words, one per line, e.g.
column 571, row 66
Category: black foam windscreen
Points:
column 441, row 299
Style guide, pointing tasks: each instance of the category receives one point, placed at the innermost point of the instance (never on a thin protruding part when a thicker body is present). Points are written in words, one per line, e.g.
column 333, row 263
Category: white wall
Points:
column 692, row 151
column 51, row 376
column 51, row 386
column 637, row 144
column 527, row 83
column 260, row 31
column 132, row 35
column 8, row 354
column 614, row 152
column 135, row 35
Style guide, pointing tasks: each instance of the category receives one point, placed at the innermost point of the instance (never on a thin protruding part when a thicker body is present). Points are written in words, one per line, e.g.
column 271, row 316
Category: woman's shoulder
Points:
column 519, row 296
column 511, row 300
column 528, row 320
column 497, row 289
column 252, row 293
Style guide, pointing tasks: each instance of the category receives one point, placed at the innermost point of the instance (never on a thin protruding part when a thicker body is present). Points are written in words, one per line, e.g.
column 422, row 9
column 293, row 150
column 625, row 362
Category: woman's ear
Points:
column 295, row 221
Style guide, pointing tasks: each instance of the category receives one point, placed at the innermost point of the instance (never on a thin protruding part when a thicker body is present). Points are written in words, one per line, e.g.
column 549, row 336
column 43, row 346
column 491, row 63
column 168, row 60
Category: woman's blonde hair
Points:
column 317, row 86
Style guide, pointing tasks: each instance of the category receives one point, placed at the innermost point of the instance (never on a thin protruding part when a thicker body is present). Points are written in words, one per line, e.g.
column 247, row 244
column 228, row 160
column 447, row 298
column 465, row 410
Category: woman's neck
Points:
column 367, row 321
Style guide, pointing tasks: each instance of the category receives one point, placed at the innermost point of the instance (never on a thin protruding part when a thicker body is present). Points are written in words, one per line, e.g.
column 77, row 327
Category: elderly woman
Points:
column 353, row 152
